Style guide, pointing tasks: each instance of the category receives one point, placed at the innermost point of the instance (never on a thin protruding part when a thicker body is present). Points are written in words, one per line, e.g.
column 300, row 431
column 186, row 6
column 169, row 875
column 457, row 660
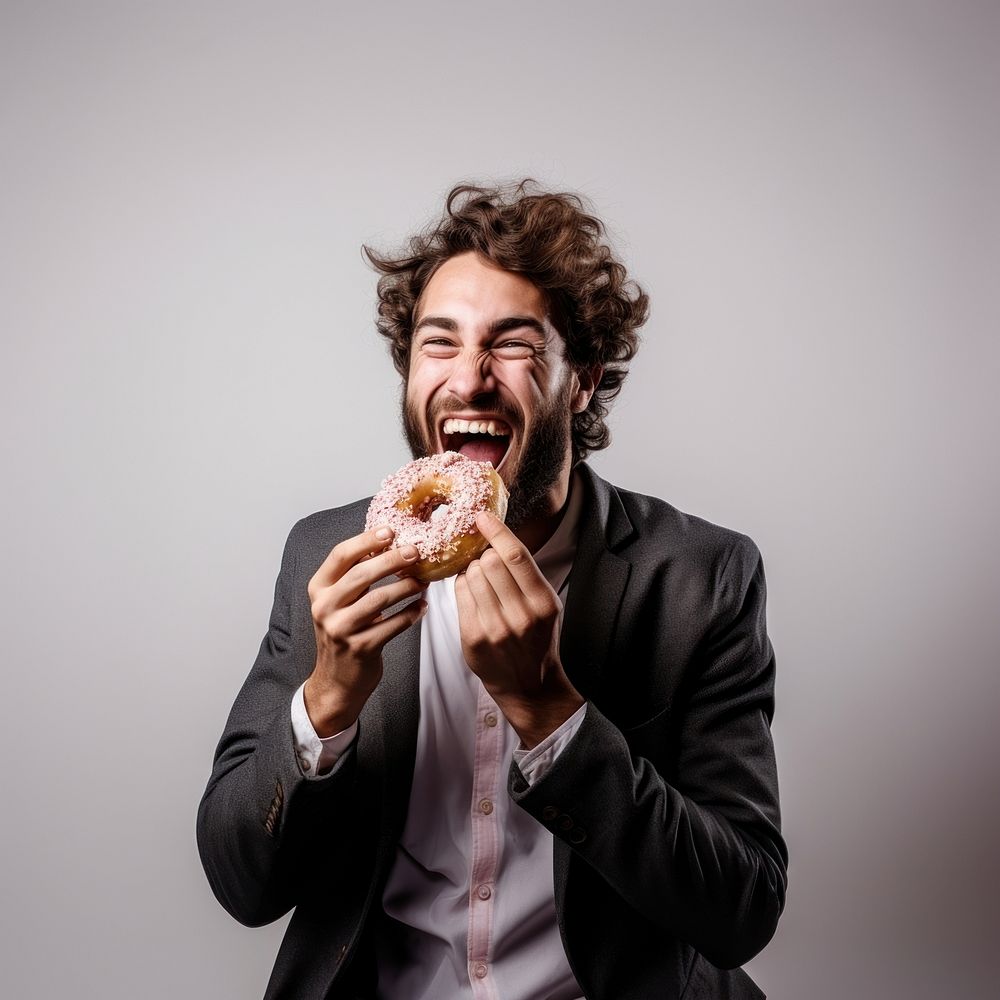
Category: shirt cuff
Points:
column 535, row 763
column 316, row 755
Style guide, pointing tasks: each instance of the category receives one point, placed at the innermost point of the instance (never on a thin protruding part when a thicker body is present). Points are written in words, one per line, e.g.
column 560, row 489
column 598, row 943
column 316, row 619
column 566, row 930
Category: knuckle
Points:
column 521, row 626
column 546, row 607
column 514, row 555
column 333, row 632
column 354, row 644
column 385, row 563
column 370, row 603
column 361, row 647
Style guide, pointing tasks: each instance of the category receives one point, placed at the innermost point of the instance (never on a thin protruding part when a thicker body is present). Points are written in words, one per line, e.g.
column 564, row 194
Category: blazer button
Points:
column 577, row 836
column 549, row 813
column 565, row 822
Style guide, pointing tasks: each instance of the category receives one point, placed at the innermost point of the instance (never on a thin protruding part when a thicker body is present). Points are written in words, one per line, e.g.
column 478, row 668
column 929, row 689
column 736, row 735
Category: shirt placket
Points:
column 485, row 845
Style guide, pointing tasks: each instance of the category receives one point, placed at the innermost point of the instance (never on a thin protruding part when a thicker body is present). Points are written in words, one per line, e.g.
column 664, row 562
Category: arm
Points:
column 261, row 824
column 693, row 844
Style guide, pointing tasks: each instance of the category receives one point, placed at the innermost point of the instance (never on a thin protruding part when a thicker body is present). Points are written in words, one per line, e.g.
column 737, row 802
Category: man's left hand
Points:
column 509, row 622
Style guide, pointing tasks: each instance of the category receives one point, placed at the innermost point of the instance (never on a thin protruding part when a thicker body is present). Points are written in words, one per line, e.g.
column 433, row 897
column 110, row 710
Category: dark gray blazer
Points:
column 669, row 866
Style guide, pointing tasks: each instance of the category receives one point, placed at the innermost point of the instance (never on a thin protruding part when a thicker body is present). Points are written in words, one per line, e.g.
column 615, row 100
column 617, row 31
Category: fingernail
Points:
column 410, row 553
column 384, row 533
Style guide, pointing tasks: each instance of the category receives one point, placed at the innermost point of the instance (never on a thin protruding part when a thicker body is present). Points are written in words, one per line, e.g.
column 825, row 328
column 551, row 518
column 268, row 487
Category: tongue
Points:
column 490, row 450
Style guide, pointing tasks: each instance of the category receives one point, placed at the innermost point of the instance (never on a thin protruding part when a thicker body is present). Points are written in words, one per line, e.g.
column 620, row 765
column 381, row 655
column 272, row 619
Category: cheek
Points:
column 421, row 385
column 528, row 386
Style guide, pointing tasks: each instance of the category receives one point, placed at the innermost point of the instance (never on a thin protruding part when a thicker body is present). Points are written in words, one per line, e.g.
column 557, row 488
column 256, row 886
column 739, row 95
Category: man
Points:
column 552, row 776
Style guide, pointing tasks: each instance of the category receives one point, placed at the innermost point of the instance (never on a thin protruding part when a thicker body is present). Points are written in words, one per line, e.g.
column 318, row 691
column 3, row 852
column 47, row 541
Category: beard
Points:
column 544, row 453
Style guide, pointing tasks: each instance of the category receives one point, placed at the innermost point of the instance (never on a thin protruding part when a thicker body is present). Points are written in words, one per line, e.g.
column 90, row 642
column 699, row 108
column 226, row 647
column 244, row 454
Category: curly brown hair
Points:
column 550, row 239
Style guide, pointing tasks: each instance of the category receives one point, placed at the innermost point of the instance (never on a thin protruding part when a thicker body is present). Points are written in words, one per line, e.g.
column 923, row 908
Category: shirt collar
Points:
column 555, row 557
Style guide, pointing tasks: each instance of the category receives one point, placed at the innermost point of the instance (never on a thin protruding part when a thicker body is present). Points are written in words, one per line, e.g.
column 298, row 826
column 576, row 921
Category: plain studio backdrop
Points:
column 808, row 191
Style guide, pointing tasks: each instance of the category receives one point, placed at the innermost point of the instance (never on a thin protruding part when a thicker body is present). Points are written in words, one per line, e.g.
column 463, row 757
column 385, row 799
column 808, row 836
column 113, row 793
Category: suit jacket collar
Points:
column 596, row 584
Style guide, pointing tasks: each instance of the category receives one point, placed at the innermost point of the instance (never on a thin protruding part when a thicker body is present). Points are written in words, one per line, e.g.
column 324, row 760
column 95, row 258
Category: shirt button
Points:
column 484, row 892
column 485, row 807
column 490, row 719
column 479, row 970
column 304, row 763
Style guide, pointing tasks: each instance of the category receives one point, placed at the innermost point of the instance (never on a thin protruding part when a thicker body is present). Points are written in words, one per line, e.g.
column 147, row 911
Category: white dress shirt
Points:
column 470, row 894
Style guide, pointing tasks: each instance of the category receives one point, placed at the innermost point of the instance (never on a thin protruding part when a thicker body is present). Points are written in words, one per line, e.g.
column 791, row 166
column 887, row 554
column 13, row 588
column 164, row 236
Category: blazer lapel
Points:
column 596, row 585
column 596, row 588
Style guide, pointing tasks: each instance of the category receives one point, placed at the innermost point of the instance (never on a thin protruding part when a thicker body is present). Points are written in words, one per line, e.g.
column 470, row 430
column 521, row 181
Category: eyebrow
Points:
column 496, row 327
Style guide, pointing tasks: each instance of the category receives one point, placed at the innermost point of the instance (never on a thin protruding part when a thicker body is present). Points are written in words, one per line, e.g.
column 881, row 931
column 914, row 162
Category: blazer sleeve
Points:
column 260, row 821
column 700, row 855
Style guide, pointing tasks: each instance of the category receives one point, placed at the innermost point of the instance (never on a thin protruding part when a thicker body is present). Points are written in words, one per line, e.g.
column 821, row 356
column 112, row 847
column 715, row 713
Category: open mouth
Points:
column 482, row 440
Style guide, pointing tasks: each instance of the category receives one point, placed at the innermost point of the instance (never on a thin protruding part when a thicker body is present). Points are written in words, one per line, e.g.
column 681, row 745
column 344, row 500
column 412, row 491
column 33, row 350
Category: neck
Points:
column 538, row 529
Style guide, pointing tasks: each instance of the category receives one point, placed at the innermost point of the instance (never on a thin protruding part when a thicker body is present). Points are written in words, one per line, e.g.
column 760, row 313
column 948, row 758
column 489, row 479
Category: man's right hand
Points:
column 350, row 627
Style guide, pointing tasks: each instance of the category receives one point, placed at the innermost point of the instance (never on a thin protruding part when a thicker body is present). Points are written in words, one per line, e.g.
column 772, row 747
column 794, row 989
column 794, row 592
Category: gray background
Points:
column 808, row 192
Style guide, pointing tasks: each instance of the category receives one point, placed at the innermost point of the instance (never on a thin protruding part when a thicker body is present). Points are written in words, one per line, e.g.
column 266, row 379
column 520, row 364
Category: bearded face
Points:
column 488, row 377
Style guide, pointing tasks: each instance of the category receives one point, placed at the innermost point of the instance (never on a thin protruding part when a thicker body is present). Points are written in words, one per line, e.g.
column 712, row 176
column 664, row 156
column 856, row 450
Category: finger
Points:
column 377, row 635
column 509, row 547
column 348, row 552
column 517, row 559
column 370, row 605
column 515, row 605
column 363, row 574
column 470, row 625
column 486, row 602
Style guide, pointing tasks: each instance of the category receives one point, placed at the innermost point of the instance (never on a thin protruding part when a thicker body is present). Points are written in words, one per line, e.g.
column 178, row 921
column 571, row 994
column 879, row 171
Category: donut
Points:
column 432, row 503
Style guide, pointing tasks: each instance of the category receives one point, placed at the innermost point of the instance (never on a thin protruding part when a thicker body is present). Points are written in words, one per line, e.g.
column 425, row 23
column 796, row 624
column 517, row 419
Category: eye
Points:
column 438, row 347
column 514, row 350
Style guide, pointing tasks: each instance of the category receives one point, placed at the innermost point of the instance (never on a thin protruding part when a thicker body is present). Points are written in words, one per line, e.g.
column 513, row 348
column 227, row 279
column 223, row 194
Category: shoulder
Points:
column 661, row 523
column 312, row 537
column 666, row 540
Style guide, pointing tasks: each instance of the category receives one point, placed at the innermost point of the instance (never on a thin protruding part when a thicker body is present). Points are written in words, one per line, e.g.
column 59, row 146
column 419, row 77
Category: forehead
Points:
column 468, row 286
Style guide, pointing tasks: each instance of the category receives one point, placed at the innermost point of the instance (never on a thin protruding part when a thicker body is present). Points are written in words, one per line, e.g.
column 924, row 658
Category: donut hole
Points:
column 431, row 509
column 430, row 499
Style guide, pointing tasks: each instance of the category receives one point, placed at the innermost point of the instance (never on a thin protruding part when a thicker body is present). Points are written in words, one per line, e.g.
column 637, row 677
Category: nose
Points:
column 471, row 376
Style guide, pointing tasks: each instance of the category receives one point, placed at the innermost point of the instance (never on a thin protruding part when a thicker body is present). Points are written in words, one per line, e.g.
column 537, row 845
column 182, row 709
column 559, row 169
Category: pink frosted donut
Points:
column 432, row 503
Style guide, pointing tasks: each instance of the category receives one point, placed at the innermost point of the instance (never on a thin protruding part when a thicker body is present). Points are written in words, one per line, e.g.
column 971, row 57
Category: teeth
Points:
column 455, row 426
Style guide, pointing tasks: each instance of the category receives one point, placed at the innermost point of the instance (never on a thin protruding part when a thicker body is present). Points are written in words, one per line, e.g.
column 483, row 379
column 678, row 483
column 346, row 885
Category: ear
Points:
column 587, row 380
